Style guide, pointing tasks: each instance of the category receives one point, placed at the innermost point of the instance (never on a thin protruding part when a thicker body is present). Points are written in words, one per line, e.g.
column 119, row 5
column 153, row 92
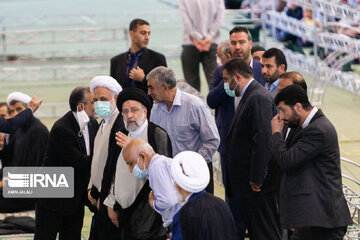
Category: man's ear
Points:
column 165, row 86
column 298, row 107
column 237, row 77
column 282, row 68
column 80, row 107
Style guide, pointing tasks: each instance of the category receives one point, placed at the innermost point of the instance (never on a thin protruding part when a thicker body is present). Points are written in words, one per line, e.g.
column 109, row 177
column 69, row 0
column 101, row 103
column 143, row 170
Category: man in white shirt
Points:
column 202, row 20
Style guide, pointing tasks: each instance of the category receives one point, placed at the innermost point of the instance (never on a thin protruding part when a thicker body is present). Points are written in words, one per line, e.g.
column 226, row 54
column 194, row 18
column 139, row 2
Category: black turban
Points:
column 134, row 94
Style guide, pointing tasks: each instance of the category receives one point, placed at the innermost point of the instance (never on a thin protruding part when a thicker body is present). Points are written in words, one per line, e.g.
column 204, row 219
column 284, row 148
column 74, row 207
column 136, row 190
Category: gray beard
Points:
column 135, row 127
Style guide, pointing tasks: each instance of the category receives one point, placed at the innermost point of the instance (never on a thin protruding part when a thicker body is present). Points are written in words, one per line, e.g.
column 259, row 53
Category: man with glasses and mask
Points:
column 71, row 144
column 127, row 200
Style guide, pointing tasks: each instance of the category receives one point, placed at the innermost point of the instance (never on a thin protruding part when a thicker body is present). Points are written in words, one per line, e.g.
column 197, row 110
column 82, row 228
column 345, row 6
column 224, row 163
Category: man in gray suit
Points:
column 311, row 197
column 250, row 184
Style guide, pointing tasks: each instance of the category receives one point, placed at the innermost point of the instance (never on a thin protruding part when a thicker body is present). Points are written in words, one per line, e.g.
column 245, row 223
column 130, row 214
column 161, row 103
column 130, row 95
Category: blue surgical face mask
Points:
column 228, row 91
column 102, row 108
column 137, row 172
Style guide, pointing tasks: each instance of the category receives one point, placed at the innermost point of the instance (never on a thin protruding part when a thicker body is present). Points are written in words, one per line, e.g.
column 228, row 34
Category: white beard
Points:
column 136, row 126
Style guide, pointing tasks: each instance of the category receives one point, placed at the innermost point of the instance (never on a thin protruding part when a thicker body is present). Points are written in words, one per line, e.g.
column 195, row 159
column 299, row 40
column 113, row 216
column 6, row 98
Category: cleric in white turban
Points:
column 203, row 216
column 17, row 97
column 107, row 82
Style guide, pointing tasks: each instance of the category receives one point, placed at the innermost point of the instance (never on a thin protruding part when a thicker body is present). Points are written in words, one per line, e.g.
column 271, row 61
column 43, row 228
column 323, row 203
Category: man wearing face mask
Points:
column 143, row 162
column 250, row 174
column 70, row 143
column 127, row 199
column 105, row 90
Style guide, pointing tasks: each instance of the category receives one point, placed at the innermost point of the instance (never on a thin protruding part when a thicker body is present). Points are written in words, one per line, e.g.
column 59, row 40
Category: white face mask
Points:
column 83, row 119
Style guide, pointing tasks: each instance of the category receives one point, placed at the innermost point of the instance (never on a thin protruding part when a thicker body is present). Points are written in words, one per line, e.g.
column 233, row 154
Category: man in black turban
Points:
column 125, row 195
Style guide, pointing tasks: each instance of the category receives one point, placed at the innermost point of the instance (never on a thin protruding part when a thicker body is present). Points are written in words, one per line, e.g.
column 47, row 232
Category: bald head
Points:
column 291, row 78
column 137, row 152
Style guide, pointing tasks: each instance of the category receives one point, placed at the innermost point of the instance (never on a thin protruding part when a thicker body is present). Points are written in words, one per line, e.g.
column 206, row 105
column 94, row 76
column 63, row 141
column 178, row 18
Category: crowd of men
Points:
column 145, row 167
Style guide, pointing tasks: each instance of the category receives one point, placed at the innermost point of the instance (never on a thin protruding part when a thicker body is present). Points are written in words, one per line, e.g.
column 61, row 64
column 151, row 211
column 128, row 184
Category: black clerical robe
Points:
column 204, row 217
column 26, row 148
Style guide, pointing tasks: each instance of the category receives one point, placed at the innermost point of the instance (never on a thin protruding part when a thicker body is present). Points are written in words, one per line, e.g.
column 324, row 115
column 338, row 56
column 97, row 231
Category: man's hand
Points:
column 277, row 124
column 151, row 199
column 113, row 216
column 2, row 141
column 121, row 139
column 34, row 105
column 198, row 44
column 255, row 187
column 137, row 74
column 91, row 199
column 206, row 43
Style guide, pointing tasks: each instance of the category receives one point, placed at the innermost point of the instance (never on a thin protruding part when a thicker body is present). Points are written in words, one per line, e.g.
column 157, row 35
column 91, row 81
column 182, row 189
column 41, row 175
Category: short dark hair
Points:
column 2, row 104
column 296, row 79
column 241, row 29
column 137, row 21
column 77, row 96
column 291, row 95
column 257, row 48
column 238, row 65
column 278, row 54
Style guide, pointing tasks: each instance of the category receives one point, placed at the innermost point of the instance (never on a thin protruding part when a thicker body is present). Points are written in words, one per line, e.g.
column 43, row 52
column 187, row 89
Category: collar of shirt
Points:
column 138, row 131
column 135, row 54
column 272, row 86
column 176, row 102
column 309, row 117
column 153, row 159
column 252, row 63
column 246, row 86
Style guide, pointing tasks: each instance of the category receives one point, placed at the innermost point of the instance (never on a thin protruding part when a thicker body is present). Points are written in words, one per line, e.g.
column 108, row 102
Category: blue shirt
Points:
column 163, row 187
column 189, row 125
column 134, row 59
column 273, row 87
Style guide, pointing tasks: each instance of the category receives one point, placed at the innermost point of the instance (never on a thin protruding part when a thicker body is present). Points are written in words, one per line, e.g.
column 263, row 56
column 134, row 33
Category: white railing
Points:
column 52, row 73
column 71, row 35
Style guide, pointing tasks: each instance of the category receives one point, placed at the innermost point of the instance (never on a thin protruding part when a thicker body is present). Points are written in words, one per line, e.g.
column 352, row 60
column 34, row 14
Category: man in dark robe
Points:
column 26, row 148
column 135, row 218
column 203, row 216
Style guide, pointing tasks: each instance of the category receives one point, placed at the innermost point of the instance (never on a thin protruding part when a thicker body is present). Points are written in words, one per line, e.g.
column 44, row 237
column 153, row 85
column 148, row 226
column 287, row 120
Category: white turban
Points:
column 107, row 82
column 18, row 97
column 190, row 171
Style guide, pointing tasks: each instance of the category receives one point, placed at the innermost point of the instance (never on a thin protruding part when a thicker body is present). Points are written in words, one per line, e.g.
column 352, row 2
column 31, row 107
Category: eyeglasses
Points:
column 132, row 110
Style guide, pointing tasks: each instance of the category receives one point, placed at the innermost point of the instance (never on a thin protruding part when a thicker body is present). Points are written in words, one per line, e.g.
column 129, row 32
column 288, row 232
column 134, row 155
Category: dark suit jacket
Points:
column 247, row 150
column 149, row 60
column 66, row 148
column 311, row 186
column 12, row 124
column 224, row 104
